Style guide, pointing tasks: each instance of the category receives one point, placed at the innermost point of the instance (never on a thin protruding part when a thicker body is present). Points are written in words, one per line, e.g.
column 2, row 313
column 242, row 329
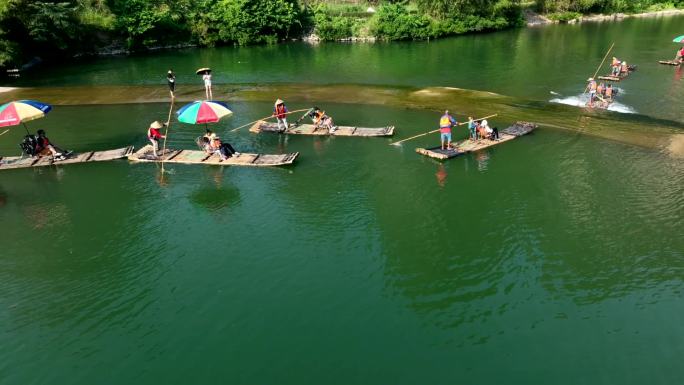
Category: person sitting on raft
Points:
column 445, row 123
column 321, row 120
column 679, row 57
column 215, row 146
column 280, row 113
column 44, row 147
column 209, row 135
column 489, row 132
column 608, row 95
column 624, row 69
column 153, row 134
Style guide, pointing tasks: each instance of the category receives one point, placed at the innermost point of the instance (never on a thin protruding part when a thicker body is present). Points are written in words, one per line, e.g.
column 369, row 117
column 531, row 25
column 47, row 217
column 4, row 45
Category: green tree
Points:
column 258, row 21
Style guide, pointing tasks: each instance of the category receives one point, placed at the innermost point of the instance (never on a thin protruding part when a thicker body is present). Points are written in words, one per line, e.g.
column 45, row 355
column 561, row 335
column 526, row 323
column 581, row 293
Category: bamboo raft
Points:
column 13, row 162
column 200, row 157
column 505, row 135
column 669, row 62
column 611, row 78
column 310, row 129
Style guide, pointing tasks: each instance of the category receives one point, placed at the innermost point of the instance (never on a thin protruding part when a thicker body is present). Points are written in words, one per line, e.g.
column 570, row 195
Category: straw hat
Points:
column 590, row 79
column 156, row 124
column 279, row 101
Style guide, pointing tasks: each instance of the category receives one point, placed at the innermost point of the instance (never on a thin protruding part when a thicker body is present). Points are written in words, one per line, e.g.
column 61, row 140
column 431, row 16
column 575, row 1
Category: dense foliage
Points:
column 606, row 6
column 54, row 28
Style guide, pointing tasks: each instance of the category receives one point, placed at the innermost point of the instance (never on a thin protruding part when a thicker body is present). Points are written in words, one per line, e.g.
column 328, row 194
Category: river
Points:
column 555, row 258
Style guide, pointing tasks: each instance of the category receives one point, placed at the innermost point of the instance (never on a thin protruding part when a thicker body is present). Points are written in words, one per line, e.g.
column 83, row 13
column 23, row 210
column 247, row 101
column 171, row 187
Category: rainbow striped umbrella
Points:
column 679, row 39
column 203, row 112
column 21, row 111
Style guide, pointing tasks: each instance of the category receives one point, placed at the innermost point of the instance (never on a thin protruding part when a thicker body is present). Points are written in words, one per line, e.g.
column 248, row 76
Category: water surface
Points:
column 555, row 258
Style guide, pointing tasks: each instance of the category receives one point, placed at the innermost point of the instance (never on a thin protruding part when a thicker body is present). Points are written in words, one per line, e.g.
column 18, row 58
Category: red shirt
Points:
column 154, row 134
column 280, row 111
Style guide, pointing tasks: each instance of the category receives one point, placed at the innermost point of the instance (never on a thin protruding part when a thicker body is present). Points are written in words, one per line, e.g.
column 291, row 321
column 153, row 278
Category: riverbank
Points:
column 533, row 19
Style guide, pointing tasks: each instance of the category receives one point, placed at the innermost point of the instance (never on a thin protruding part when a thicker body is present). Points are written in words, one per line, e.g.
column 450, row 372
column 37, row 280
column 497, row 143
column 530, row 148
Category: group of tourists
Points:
column 478, row 129
column 619, row 68
column 39, row 145
column 318, row 117
column 206, row 78
column 212, row 144
column 601, row 93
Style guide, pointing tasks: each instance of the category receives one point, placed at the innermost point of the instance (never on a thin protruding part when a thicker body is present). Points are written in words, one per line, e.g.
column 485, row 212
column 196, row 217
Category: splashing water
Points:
column 582, row 100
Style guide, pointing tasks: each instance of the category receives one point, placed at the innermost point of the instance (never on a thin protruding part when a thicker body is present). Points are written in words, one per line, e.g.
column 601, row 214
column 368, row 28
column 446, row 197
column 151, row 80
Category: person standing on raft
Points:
column 207, row 85
column 280, row 113
column 472, row 127
column 592, row 91
column 616, row 64
column 171, row 80
column 153, row 134
column 445, row 123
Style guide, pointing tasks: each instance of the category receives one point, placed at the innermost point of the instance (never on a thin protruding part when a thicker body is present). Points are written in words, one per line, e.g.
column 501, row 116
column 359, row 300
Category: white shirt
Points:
column 207, row 79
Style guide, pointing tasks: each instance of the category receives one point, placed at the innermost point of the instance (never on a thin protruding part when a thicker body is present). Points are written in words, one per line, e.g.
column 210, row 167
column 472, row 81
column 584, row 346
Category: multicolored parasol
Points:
column 21, row 111
column 679, row 39
column 202, row 112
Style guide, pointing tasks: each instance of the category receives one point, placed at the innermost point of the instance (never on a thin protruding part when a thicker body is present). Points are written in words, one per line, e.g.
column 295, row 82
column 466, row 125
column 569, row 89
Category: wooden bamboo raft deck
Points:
column 310, row 129
column 611, row 78
column 669, row 62
column 12, row 162
column 200, row 157
column 505, row 135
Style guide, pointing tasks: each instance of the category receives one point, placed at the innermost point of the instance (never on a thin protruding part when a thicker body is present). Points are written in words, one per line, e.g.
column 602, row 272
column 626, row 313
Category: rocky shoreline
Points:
column 534, row 19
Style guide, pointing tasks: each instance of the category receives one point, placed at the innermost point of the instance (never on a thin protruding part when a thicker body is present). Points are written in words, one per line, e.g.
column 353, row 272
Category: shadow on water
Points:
column 215, row 199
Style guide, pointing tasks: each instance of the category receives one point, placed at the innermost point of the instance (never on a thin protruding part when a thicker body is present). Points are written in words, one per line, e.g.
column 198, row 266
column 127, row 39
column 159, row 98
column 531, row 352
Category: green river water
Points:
column 557, row 258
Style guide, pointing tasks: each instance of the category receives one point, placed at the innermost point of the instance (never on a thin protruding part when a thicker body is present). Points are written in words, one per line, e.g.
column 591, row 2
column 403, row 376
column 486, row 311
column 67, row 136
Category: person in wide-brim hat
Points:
column 153, row 134
column 280, row 113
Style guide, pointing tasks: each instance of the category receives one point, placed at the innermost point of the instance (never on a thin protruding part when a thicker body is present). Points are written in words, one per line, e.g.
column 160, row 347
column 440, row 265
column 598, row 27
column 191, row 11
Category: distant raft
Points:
column 505, row 135
column 611, row 78
column 145, row 154
column 310, row 129
column 670, row 62
column 12, row 162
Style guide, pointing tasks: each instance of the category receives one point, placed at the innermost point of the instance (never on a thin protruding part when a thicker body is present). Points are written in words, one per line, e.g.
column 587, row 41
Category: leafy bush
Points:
column 564, row 17
column 258, row 21
column 394, row 22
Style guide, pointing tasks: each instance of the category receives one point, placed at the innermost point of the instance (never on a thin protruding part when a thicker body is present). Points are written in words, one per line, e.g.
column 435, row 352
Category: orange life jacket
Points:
column 319, row 116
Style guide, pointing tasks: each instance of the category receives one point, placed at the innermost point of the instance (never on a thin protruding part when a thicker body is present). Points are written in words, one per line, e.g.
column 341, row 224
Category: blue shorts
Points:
column 446, row 136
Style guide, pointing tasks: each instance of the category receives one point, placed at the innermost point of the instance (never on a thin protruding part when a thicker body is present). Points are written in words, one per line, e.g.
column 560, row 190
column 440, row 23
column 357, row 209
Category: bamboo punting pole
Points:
column 433, row 131
column 166, row 134
column 600, row 65
column 270, row 116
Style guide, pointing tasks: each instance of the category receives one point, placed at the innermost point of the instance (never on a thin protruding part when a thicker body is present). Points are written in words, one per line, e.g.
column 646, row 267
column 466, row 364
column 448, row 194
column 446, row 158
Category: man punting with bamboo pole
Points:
column 439, row 129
